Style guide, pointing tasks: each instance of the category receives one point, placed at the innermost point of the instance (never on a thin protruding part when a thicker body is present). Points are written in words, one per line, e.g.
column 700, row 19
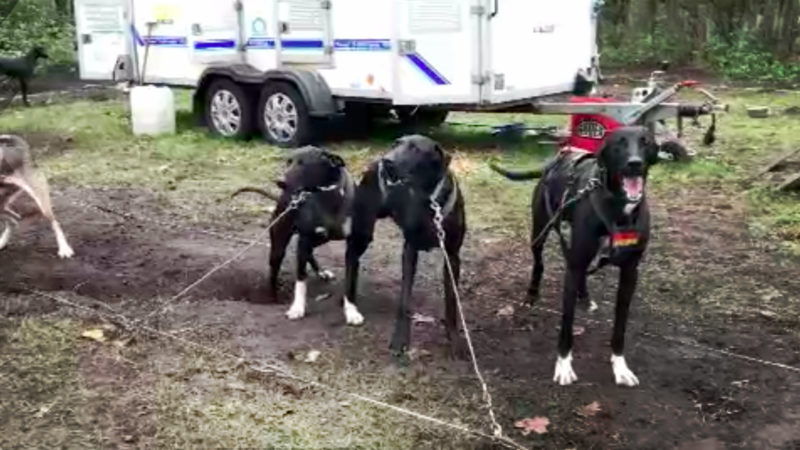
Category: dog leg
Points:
column 365, row 213
column 24, row 87
column 540, row 219
column 583, row 298
column 279, row 235
column 323, row 274
column 402, row 327
column 564, row 374
column 628, row 277
column 37, row 189
column 298, row 308
column 458, row 349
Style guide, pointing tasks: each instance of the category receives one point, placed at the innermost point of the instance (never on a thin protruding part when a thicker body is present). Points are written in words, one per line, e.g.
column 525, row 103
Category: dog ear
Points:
column 335, row 159
column 446, row 156
column 651, row 148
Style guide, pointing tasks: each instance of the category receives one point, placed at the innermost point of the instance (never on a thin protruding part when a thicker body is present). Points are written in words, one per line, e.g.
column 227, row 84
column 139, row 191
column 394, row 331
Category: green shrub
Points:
column 36, row 22
column 744, row 58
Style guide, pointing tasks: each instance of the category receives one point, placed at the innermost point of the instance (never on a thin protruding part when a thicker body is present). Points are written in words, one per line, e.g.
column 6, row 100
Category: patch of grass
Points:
column 236, row 407
column 42, row 404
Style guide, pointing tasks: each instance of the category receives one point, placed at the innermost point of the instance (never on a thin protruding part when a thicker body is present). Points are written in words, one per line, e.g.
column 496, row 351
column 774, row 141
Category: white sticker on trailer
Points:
column 102, row 16
column 434, row 16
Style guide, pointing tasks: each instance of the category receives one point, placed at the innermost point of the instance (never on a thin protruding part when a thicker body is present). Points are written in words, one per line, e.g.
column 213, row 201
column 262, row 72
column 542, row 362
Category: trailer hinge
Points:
column 477, row 10
column 328, row 50
column 406, row 47
column 325, row 4
column 237, row 5
column 480, row 79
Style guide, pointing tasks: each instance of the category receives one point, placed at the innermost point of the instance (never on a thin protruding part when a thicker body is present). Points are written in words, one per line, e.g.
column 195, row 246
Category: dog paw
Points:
column 351, row 314
column 326, row 275
column 622, row 374
column 564, row 374
column 66, row 252
column 296, row 313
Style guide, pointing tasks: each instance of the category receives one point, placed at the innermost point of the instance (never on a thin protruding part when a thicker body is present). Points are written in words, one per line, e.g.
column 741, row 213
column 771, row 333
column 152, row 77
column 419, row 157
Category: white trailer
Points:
column 275, row 65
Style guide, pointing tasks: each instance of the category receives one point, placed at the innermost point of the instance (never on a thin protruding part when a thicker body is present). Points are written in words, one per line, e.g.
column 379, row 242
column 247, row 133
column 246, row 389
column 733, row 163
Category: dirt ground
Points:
column 689, row 398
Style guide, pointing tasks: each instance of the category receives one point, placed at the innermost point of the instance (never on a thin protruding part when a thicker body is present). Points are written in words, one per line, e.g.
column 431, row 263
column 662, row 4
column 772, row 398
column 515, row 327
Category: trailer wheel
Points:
column 228, row 110
column 421, row 117
column 675, row 151
column 283, row 116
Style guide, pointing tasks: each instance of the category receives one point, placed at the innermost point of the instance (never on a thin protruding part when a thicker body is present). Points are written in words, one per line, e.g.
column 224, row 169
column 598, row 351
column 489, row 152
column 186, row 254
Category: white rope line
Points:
column 487, row 397
column 272, row 369
column 219, row 267
column 588, row 320
column 673, row 340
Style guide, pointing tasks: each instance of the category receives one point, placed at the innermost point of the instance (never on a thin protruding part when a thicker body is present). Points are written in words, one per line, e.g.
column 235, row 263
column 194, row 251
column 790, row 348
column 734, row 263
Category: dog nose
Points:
column 635, row 163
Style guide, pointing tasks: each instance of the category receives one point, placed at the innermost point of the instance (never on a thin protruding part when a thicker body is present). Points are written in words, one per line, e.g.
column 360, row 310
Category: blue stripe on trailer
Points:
column 426, row 68
column 368, row 45
column 215, row 44
column 165, row 41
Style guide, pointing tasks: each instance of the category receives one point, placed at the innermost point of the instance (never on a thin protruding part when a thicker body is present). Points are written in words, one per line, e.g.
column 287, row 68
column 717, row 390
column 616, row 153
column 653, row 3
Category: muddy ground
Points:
column 690, row 397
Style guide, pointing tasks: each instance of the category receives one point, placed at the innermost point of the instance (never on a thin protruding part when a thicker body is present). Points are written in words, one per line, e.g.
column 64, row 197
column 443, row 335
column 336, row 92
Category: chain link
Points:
column 438, row 219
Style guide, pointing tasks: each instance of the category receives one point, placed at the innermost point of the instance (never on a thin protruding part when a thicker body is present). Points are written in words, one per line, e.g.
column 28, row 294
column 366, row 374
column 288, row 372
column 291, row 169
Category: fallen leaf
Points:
column 421, row 318
column 321, row 297
column 95, row 334
column 507, row 311
column 590, row 410
column 44, row 410
column 537, row 425
column 578, row 330
column 312, row 356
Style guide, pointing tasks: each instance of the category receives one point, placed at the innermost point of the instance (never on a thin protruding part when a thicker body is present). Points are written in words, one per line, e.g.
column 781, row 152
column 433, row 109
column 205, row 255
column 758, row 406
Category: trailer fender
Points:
column 312, row 86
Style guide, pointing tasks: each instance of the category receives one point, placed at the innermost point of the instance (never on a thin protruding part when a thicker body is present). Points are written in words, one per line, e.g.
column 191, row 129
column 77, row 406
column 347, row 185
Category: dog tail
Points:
column 517, row 176
column 255, row 190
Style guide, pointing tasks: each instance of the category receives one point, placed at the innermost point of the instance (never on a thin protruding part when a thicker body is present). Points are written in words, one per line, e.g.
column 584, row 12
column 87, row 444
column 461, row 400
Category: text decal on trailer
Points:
column 544, row 29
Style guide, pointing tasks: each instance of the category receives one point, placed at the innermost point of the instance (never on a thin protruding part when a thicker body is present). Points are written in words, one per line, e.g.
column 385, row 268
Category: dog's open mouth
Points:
column 633, row 187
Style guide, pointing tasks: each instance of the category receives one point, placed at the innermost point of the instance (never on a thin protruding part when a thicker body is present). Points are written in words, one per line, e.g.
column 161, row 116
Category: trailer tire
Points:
column 228, row 110
column 676, row 151
column 421, row 117
column 283, row 116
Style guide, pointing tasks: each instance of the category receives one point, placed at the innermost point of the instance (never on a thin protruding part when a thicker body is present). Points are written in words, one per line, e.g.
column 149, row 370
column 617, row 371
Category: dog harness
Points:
column 448, row 205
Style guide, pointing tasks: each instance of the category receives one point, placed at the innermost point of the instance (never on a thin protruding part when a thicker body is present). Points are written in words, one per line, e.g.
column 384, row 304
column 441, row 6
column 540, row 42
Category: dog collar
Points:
column 447, row 208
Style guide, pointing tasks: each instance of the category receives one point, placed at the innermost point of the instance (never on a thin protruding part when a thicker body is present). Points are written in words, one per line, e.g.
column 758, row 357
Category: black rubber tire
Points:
column 246, row 126
column 421, row 117
column 304, row 132
column 679, row 152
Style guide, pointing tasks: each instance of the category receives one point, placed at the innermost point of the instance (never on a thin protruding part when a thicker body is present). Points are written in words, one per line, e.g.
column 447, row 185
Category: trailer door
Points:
column 102, row 36
column 537, row 47
column 215, row 31
column 304, row 32
column 437, row 51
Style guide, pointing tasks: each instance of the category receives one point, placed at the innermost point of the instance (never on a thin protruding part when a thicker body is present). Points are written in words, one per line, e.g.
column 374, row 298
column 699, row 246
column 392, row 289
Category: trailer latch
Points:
column 406, row 46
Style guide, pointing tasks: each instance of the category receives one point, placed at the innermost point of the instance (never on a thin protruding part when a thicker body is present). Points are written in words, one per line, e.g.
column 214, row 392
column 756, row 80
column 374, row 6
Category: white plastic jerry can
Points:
column 152, row 110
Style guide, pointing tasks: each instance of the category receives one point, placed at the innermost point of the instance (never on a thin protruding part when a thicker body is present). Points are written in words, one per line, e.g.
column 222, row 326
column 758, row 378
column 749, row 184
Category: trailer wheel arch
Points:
column 313, row 88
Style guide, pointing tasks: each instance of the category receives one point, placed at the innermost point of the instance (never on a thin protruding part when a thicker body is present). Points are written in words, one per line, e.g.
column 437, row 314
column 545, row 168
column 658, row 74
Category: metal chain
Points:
column 297, row 200
column 438, row 219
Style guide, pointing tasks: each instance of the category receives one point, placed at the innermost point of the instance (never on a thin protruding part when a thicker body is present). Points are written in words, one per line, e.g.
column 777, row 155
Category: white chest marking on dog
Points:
column 630, row 207
column 351, row 314
column 64, row 250
column 6, row 236
column 298, row 308
column 622, row 374
column 319, row 230
column 564, row 374
column 593, row 306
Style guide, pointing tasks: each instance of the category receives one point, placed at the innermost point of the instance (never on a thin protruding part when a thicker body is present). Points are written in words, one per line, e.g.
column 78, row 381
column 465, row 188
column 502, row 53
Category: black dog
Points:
column 322, row 217
column 22, row 69
column 614, row 215
column 402, row 185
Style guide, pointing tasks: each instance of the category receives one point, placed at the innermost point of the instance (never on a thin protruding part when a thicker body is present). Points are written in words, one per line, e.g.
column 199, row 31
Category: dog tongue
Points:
column 633, row 187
